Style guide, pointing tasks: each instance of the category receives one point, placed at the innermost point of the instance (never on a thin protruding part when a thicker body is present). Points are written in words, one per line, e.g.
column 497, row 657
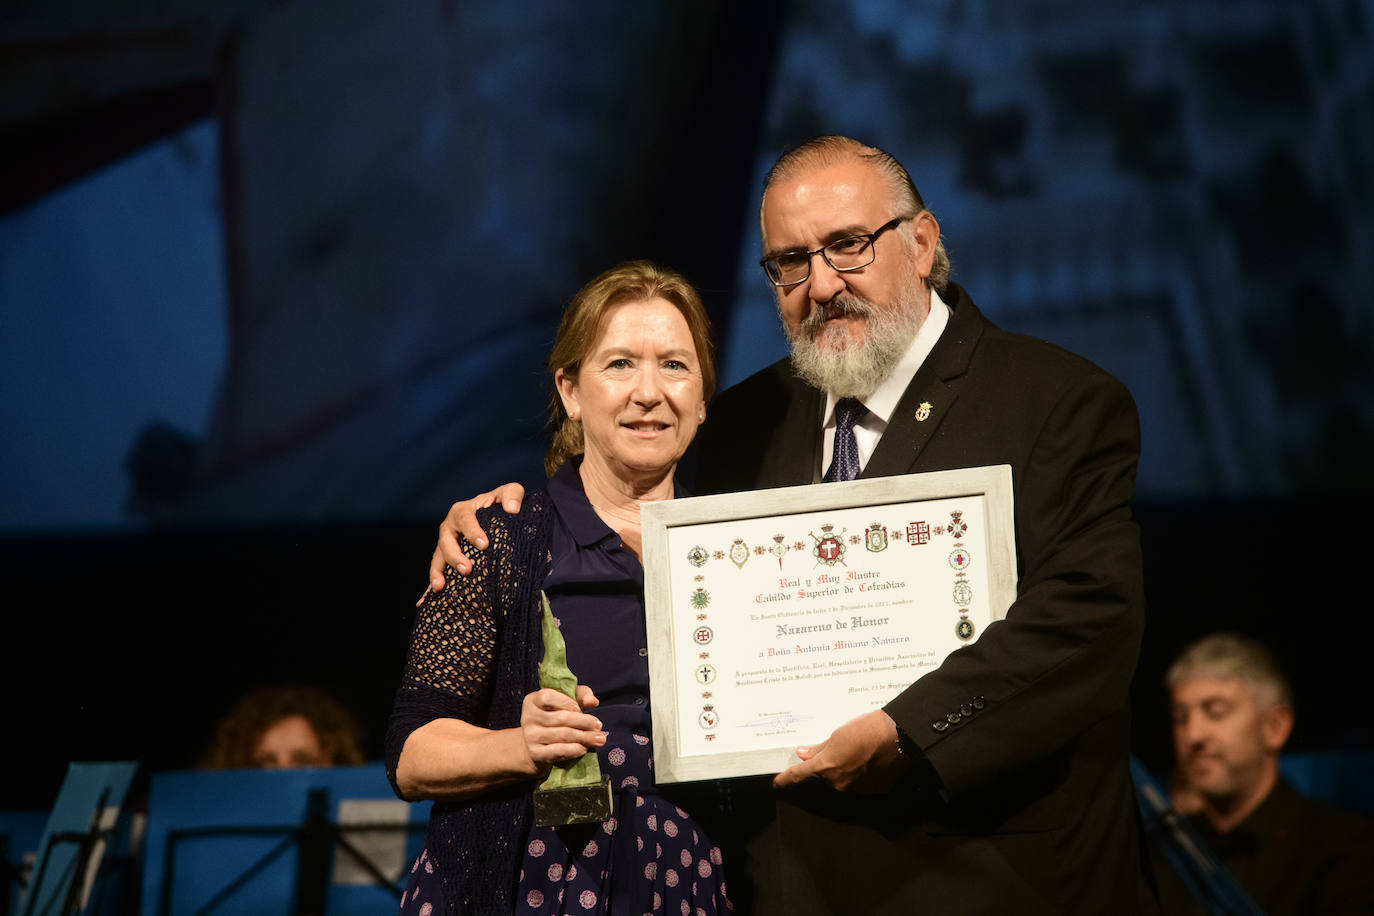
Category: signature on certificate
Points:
column 776, row 720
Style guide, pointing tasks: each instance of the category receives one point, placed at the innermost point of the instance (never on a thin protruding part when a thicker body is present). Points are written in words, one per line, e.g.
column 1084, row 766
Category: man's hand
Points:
column 462, row 519
column 859, row 756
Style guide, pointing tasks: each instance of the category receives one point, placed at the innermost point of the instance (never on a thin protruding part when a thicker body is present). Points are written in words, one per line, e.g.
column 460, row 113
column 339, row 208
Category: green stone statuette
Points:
column 575, row 792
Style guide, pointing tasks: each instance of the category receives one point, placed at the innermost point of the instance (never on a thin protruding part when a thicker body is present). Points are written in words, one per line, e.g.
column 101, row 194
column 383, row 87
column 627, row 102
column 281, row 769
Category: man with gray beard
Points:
column 819, row 354
column 998, row 782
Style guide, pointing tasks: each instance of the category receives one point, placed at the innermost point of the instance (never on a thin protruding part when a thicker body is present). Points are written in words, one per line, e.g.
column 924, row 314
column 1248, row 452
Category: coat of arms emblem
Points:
column 829, row 548
column 875, row 538
column 739, row 552
column 779, row 549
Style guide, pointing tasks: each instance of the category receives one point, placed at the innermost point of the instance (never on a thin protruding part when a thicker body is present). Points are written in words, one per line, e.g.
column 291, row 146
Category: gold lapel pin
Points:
column 923, row 412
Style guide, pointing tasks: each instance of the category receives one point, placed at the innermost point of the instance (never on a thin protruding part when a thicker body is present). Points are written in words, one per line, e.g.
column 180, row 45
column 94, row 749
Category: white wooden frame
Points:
column 671, row 606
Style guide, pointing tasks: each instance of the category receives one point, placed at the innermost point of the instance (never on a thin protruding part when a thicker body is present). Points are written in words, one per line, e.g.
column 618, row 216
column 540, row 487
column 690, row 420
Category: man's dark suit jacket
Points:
column 1024, row 803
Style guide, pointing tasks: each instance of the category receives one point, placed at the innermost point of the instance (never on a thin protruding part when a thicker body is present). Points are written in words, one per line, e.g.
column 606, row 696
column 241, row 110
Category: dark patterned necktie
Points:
column 845, row 463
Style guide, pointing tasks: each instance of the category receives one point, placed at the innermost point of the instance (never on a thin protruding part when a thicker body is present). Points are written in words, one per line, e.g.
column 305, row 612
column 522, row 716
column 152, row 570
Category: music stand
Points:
column 20, row 833
column 222, row 843
column 72, row 848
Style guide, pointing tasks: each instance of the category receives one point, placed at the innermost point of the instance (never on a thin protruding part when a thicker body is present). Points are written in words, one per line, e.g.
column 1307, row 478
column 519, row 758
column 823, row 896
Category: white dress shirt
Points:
column 883, row 401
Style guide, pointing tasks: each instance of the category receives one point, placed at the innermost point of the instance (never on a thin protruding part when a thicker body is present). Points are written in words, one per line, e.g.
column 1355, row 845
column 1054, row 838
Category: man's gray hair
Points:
column 831, row 150
column 1231, row 656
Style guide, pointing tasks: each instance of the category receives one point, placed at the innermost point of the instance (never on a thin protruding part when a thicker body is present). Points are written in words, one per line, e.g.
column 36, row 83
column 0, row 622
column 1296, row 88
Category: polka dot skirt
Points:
column 648, row 858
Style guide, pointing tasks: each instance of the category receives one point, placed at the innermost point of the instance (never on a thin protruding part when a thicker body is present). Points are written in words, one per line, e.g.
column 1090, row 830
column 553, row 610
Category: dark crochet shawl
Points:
column 474, row 655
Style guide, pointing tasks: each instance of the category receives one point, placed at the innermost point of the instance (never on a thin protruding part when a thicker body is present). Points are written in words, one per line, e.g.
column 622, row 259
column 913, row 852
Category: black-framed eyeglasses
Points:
column 849, row 253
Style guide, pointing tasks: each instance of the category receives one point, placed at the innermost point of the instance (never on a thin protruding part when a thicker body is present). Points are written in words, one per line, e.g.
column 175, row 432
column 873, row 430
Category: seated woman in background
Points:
column 471, row 729
column 286, row 725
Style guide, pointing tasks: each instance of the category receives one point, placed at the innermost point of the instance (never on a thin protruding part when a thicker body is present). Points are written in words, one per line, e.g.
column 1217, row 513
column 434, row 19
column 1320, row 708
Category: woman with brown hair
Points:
column 286, row 725
column 471, row 729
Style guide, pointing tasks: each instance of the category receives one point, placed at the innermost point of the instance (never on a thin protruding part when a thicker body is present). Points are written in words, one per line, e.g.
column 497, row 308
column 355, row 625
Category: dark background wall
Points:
column 277, row 281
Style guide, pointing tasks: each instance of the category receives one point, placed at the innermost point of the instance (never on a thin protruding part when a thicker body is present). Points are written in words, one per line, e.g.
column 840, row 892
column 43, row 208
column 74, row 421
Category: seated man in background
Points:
column 283, row 726
column 1232, row 711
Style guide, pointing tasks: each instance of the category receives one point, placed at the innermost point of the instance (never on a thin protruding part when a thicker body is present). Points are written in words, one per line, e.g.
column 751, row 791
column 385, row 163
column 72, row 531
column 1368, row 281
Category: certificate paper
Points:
column 777, row 615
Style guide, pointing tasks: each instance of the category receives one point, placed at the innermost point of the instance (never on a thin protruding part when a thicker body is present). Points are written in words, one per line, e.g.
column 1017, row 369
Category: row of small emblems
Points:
column 705, row 672
column 828, row 547
column 702, row 635
column 959, row 560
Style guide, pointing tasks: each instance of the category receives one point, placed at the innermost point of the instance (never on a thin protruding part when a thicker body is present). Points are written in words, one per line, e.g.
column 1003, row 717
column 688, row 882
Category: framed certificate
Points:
column 775, row 616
